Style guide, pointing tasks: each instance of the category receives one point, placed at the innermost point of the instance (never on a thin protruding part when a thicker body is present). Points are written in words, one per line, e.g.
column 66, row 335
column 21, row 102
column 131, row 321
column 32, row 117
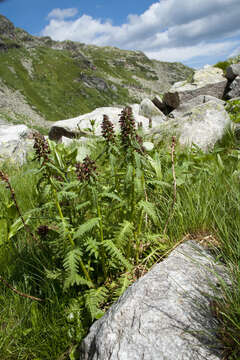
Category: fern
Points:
column 124, row 282
column 149, row 209
column 114, row 252
column 124, row 233
column 86, row 227
column 92, row 247
column 67, row 195
column 93, row 299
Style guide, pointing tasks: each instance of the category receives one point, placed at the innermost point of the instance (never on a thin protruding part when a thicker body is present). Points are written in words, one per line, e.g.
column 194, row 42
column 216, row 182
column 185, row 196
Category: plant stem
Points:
column 18, row 292
column 174, row 185
column 101, row 238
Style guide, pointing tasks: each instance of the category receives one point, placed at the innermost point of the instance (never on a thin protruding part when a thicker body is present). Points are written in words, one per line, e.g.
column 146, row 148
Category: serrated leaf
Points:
column 86, row 227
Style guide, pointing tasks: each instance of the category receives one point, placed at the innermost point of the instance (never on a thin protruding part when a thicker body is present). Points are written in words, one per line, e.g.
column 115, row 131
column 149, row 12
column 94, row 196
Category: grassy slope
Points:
column 56, row 89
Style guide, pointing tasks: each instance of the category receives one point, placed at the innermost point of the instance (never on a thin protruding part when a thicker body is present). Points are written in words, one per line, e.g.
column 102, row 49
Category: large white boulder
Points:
column 207, row 81
column 81, row 125
column 203, row 126
column 165, row 315
column 187, row 106
column 15, row 142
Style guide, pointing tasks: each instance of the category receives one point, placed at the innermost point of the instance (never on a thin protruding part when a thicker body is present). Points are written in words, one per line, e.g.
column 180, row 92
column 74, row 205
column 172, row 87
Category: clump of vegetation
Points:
column 224, row 64
column 75, row 232
column 233, row 108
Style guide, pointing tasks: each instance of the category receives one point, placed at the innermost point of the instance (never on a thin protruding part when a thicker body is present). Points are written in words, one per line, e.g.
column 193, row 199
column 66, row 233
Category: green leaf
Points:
column 17, row 225
column 93, row 298
column 149, row 209
column 3, row 231
column 86, row 227
column 116, row 253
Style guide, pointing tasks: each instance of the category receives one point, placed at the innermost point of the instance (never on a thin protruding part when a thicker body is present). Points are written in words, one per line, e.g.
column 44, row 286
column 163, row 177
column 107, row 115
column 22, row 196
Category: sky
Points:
column 194, row 32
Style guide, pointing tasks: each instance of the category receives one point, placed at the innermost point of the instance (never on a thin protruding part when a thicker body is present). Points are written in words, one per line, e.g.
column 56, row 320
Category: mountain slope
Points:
column 43, row 80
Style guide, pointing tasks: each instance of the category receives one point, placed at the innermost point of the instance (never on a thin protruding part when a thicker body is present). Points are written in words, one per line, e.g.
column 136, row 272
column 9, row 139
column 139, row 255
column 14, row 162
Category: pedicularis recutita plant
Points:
column 95, row 217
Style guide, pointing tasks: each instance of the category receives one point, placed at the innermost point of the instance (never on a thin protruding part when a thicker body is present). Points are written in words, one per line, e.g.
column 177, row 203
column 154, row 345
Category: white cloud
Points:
column 187, row 52
column 62, row 13
column 167, row 30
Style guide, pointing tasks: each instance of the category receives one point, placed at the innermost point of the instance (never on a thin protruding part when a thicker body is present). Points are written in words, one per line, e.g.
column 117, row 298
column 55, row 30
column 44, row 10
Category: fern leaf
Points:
column 156, row 165
column 124, row 233
column 83, row 205
column 70, row 262
column 75, row 279
column 93, row 299
column 92, row 247
column 124, row 282
column 86, row 227
column 111, row 196
column 149, row 209
column 114, row 252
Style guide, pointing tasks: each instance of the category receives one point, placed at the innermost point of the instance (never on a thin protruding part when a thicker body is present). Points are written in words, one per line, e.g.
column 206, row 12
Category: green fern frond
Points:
column 124, row 283
column 93, row 299
column 53, row 274
column 92, row 247
column 75, row 279
column 70, row 263
column 83, row 205
column 149, row 209
column 114, row 252
column 111, row 196
column 156, row 166
column 66, row 195
column 86, row 227
column 124, row 233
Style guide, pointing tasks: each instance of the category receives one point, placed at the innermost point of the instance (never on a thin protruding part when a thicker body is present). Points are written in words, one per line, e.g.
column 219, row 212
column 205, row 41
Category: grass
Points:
column 207, row 206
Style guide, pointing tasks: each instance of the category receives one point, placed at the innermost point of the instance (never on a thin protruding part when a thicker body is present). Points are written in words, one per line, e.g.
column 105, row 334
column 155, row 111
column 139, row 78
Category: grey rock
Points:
column 207, row 81
column 81, row 125
column 233, row 71
column 203, row 126
column 165, row 315
column 186, row 107
column 15, row 143
column 150, row 111
column 6, row 26
column 234, row 89
column 94, row 82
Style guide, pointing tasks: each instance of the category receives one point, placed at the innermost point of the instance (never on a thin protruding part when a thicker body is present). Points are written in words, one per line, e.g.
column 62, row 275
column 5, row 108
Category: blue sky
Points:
column 195, row 32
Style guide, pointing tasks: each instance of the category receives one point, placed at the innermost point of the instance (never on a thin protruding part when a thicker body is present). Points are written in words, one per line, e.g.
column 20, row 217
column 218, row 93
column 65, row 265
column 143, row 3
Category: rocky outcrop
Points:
column 233, row 71
column 186, row 107
column 234, row 89
column 202, row 125
column 90, row 124
column 207, row 81
column 15, row 142
column 166, row 314
column 150, row 111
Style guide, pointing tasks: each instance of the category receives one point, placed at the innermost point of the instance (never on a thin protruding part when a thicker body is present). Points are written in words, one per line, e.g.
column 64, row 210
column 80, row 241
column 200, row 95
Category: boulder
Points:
column 90, row 124
column 207, row 81
column 150, row 111
column 166, row 314
column 15, row 142
column 186, row 107
column 157, row 101
column 233, row 71
column 203, row 126
column 234, row 89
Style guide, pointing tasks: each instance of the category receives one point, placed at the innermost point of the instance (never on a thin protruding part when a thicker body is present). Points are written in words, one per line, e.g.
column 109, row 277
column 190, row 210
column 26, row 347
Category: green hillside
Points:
column 61, row 80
